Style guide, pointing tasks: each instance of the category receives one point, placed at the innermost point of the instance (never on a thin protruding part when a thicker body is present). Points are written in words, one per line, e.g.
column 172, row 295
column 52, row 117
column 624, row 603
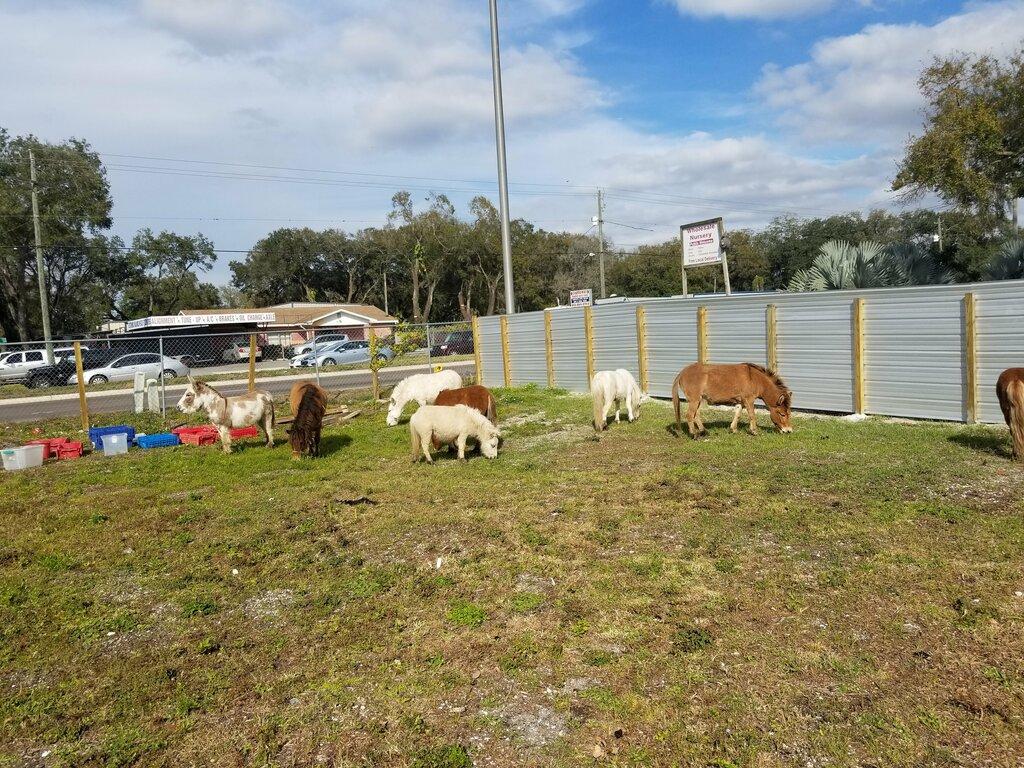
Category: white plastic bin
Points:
column 26, row 457
column 115, row 445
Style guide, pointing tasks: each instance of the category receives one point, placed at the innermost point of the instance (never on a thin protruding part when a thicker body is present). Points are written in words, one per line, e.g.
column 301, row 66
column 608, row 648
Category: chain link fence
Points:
column 143, row 376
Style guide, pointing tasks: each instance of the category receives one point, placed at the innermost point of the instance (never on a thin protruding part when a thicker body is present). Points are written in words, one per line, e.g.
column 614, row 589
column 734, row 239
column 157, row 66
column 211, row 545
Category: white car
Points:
column 341, row 353
column 322, row 342
column 123, row 368
column 238, row 352
column 15, row 366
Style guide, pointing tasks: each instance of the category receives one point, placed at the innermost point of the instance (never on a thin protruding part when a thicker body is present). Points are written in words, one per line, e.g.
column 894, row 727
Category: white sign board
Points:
column 177, row 321
column 581, row 298
column 702, row 243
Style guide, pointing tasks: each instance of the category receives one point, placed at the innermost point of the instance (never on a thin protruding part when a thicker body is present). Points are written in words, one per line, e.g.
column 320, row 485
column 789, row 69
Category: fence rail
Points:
column 98, row 375
column 930, row 352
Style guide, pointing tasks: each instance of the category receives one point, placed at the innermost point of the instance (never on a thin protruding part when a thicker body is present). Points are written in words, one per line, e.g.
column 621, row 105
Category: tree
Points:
column 165, row 280
column 286, row 265
column 971, row 152
column 843, row 266
column 81, row 263
column 1008, row 264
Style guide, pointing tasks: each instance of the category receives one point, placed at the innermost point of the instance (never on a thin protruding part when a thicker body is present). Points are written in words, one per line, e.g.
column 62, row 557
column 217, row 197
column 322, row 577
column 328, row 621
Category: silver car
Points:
column 123, row 368
column 15, row 366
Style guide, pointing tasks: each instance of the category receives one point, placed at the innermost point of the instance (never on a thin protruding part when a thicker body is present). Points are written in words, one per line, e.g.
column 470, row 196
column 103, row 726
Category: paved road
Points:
column 111, row 402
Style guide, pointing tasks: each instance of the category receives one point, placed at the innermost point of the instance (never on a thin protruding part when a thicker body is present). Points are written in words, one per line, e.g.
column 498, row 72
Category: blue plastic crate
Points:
column 96, row 434
column 161, row 440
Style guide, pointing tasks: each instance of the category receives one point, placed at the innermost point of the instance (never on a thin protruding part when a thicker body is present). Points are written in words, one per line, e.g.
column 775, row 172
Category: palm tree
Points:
column 1008, row 264
column 840, row 265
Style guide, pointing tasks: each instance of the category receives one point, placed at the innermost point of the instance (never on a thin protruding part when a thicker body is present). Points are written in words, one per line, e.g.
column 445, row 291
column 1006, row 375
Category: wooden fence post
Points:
column 371, row 336
column 83, row 404
column 771, row 323
column 971, row 357
column 641, row 346
column 549, row 348
column 588, row 332
column 702, row 334
column 252, row 361
column 859, row 395
column 476, row 350
column 504, row 351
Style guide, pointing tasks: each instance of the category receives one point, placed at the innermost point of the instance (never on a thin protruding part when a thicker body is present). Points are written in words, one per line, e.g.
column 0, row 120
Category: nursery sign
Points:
column 702, row 243
column 581, row 298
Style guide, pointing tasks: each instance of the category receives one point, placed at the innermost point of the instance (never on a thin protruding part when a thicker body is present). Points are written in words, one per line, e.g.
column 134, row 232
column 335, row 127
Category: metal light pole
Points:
column 499, row 135
column 44, row 300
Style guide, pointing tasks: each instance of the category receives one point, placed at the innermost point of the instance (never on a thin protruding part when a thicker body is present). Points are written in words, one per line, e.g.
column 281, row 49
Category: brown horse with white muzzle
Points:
column 1010, row 391
column 740, row 385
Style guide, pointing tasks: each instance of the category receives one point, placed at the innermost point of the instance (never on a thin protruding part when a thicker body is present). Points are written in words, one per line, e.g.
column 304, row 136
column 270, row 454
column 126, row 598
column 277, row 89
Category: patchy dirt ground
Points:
column 849, row 595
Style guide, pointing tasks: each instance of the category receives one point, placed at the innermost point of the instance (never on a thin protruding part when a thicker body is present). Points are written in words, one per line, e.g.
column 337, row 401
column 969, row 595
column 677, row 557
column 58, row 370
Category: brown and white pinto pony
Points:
column 227, row 413
column 1010, row 391
column 308, row 403
column 740, row 385
column 475, row 396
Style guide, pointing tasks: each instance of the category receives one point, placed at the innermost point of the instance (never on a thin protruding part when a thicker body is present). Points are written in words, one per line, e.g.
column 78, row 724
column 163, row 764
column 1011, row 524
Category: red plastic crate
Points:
column 50, row 445
column 68, row 449
column 208, row 434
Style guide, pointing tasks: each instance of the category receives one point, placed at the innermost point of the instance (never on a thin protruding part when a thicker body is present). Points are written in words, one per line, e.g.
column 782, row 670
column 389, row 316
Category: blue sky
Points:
column 318, row 111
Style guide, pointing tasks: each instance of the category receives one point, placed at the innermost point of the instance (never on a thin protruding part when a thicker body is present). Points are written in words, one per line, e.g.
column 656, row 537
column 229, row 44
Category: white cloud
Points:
column 862, row 88
column 751, row 9
column 220, row 25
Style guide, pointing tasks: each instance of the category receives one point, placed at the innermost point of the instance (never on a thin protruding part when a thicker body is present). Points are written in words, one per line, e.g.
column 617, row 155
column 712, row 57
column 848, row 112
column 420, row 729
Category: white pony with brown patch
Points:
column 451, row 425
column 421, row 387
column 227, row 413
column 616, row 388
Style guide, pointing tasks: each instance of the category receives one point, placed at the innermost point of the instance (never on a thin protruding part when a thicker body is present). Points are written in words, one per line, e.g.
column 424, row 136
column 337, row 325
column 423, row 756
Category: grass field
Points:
column 849, row 595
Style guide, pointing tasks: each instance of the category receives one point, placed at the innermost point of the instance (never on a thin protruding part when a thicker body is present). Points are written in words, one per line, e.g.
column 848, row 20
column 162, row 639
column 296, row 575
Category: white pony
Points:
column 615, row 387
column 421, row 387
column 448, row 424
column 225, row 413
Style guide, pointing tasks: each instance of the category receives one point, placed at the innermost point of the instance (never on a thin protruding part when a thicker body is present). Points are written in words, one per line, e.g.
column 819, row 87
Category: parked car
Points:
column 123, row 368
column 16, row 366
column 455, row 343
column 56, row 375
column 238, row 352
column 341, row 353
column 322, row 340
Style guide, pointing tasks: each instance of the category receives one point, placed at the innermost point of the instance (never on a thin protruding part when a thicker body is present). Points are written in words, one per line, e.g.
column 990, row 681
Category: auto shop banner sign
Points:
column 702, row 243
column 178, row 321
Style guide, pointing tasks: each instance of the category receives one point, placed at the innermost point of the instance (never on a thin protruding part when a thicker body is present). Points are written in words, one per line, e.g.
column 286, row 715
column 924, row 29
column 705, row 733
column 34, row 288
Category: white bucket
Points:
column 26, row 457
column 115, row 445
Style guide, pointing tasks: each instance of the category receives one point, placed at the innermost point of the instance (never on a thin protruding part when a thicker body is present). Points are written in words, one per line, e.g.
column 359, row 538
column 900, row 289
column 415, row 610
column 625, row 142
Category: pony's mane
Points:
column 210, row 387
column 776, row 379
column 308, row 418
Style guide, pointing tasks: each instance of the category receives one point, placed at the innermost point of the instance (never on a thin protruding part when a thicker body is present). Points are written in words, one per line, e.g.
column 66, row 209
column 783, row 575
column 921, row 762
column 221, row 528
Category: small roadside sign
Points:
column 583, row 297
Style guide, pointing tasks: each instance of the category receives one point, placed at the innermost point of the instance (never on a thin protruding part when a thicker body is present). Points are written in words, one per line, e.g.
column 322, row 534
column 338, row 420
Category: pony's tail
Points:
column 675, row 404
column 598, row 397
column 1015, row 396
column 492, row 410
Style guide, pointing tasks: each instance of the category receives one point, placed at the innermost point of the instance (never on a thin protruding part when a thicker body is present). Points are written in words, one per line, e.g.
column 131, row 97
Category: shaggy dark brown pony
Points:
column 308, row 404
column 1010, row 391
column 740, row 385
column 475, row 396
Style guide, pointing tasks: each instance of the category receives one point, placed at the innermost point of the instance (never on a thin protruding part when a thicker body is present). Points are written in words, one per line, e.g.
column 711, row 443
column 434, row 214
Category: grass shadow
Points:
column 332, row 443
column 984, row 441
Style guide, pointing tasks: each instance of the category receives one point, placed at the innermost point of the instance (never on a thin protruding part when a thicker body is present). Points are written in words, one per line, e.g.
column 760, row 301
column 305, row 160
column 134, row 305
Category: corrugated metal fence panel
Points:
column 1000, row 319
column 615, row 338
column 526, row 349
column 815, row 335
column 671, row 341
column 914, row 365
column 737, row 330
column 490, row 352
column 570, row 346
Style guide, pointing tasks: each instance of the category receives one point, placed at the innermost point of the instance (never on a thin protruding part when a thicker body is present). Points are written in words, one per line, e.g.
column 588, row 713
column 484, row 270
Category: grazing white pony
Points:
column 615, row 387
column 226, row 413
column 421, row 387
column 447, row 424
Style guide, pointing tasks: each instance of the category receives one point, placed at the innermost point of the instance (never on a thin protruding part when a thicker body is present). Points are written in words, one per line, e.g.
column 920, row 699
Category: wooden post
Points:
column 504, row 351
column 371, row 336
column 702, row 334
column 83, row 404
column 476, row 350
column 588, row 333
column 641, row 347
column 252, row 361
column 771, row 323
column 549, row 348
column 971, row 357
column 859, row 395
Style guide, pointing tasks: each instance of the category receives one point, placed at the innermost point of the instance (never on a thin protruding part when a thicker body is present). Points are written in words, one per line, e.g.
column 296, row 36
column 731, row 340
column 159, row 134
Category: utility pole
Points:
column 386, row 294
column 44, row 299
column 940, row 233
column 499, row 136
column 600, row 237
